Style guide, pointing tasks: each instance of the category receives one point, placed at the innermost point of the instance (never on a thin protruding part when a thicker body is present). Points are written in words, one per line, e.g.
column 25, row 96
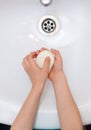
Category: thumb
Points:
column 46, row 64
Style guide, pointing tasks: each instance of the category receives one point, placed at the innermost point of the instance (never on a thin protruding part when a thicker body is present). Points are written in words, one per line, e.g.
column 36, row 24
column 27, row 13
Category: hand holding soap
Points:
column 42, row 56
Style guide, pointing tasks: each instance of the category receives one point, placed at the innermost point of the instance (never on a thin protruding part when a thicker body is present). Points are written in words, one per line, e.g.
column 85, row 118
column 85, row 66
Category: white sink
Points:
column 20, row 33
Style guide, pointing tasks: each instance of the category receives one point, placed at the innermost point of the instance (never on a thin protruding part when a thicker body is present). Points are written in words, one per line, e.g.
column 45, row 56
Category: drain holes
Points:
column 48, row 25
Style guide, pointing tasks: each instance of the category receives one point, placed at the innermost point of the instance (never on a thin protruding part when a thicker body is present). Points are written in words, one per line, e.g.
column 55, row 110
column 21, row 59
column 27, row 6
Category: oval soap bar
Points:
column 42, row 56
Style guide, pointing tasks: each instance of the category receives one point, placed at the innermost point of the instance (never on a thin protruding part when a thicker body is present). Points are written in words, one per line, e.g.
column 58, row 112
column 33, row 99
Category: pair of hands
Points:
column 39, row 75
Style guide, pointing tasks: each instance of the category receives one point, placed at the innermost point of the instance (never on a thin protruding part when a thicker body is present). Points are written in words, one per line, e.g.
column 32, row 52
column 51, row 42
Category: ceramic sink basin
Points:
column 23, row 29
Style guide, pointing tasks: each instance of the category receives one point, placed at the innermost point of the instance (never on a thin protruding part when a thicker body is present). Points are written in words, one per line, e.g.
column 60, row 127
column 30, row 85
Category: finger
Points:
column 29, row 59
column 46, row 64
column 42, row 49
column 25, row 61
column 37, row 52
column 32, row 54
column 56, row 53
column 29, row 62
column 25, row 64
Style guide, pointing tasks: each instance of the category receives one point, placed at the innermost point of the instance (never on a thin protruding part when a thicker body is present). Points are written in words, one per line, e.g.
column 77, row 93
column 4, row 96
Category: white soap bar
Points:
column 42, row 56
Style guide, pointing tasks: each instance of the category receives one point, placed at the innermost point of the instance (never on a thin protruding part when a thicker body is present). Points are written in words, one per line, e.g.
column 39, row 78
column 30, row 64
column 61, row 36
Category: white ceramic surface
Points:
column 20, row 34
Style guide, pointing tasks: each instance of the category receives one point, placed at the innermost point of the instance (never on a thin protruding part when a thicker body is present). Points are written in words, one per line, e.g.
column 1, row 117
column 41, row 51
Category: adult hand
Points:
column 37, row 75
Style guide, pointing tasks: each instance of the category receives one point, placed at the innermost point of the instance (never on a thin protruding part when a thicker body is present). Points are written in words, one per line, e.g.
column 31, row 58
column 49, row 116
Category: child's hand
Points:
column 57, row 68
column 58, row 65
column 37, row 75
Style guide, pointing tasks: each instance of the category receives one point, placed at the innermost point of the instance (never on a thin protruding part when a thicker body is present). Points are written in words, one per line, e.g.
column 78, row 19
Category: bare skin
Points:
column 69, row 115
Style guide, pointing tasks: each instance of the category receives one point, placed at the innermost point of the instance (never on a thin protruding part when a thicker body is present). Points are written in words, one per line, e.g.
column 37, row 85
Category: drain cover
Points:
column 48, row 25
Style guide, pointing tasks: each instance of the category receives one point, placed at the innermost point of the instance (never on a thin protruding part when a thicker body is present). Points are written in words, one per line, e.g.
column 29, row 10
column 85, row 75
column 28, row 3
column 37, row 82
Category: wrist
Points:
column 35, row 93
column 58, row 77
column 38, row 88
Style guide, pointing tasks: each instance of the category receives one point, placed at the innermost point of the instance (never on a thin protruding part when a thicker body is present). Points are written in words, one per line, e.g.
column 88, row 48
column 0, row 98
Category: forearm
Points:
column 69, row 115
column 26, row 117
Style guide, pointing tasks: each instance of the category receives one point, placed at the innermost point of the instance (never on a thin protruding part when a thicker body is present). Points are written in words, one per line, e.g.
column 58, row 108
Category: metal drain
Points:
column 48, row 25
